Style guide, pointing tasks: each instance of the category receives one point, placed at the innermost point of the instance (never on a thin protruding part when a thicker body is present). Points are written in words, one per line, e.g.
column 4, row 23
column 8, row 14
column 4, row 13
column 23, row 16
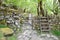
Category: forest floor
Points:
column 27, row 34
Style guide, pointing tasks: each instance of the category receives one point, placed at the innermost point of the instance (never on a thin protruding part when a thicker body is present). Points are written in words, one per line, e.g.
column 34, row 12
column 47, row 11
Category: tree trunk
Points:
column 38, row 10
column 41, row 8
column 59, row 1
column 0, row 2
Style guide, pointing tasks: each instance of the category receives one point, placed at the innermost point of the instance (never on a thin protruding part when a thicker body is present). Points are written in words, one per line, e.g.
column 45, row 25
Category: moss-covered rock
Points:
column 6, row 30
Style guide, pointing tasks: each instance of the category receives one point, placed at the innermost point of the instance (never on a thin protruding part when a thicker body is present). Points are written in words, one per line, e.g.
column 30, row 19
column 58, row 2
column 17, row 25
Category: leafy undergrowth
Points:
column 56, row 32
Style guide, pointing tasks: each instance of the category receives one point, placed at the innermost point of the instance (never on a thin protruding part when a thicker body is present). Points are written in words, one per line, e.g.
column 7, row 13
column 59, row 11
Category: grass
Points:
column 12, row 38
column 1, row 34
column 2, row 26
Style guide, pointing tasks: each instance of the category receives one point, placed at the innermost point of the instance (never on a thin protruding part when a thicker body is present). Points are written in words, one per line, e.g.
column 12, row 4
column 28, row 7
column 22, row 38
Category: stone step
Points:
column 16, row 16
column 1, row 7
column 7, row 16
column 1, row 13
column 1, row 18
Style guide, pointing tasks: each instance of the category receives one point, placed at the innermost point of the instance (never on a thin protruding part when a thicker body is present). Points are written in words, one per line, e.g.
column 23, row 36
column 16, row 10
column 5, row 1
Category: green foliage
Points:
column 12, row 38
column 31, row 5
column 56, row 32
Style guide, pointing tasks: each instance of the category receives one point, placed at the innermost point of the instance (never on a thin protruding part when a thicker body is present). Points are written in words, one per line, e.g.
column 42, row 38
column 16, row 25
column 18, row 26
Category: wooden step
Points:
column 44, row 23
column 45, row 30
column 43, row 20
column 44, row 27
column 43, row 17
